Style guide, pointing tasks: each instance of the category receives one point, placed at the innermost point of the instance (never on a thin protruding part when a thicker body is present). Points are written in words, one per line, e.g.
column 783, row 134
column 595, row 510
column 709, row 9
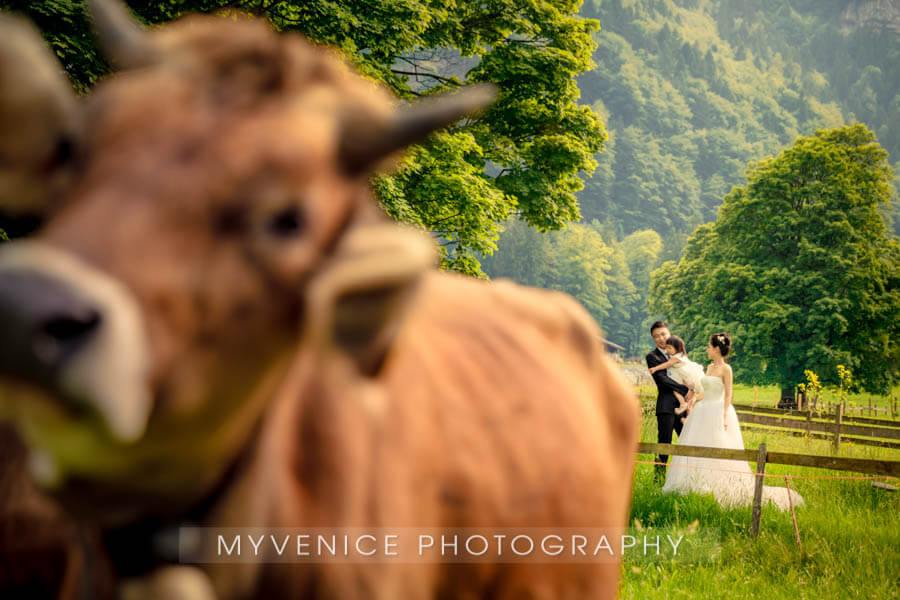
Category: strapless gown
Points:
column 731, row 482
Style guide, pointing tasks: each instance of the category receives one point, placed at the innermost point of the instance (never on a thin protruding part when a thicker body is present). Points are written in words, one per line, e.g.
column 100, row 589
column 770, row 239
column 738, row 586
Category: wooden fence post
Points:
column 871, row 414
column 758, row 490
column 754, row 396
column 808, row 423
column 838, row 417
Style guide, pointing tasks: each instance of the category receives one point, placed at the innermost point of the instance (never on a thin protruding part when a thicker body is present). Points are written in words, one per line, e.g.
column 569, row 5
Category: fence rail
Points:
column 822, row 436
column 867, row 466
column 764, row 410
column 821, row 426
column 874, row 432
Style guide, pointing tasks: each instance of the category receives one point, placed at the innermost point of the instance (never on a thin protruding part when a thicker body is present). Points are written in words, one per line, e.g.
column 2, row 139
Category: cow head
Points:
column 201, row 209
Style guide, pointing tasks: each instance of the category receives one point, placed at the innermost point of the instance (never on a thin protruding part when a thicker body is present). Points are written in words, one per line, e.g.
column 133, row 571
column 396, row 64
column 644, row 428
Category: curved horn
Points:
column 362, row 150
column 122, row 39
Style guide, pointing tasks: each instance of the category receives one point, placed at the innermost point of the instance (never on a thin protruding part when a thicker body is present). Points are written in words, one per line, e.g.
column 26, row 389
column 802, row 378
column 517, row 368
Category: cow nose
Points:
column 44, row 325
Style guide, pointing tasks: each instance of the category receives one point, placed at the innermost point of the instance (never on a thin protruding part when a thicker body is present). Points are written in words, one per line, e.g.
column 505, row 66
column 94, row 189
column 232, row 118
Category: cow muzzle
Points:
column 74, row 335
column 44, row 325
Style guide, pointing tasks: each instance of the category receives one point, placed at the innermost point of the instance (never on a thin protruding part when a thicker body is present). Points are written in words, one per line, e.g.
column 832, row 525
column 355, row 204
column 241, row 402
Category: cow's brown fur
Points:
column 469, row 404
column 500, row 439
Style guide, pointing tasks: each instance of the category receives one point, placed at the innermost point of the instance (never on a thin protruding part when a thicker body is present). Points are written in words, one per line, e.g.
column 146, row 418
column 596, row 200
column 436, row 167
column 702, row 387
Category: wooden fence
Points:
column 891, row 411
column 638, row 375
column 762, row 456
column 811, row 424
column 836, row 426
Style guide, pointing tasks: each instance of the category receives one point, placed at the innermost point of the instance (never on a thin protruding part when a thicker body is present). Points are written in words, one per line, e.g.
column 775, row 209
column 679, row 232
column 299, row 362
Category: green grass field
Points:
column 849, row 530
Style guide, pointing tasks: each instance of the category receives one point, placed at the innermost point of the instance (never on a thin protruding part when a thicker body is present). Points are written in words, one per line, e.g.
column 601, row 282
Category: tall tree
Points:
column 526, row 154
column 575, row 260
column 642, row 253
column 799, row 266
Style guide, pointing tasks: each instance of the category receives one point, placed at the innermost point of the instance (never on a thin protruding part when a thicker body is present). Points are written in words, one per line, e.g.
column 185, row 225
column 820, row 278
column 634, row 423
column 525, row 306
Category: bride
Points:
column 713, row 422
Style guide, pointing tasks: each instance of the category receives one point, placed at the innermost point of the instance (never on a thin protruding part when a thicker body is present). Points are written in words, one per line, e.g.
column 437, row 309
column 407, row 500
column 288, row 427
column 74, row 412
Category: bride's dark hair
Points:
column 677, row 343
column 722, row 342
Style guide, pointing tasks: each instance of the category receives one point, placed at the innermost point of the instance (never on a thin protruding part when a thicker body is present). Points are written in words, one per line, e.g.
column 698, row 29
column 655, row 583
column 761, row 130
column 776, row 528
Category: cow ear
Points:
column 122, row 40
column 38, row 120
column 360, row 299
column 364, row 144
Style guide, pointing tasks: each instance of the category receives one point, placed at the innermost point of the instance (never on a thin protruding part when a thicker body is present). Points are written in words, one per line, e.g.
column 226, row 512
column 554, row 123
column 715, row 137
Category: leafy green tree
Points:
column 526, row 154
column 642, row 251
column 623, row 295
column 799, row 266
column 610, row 278
column 575, row 260
column 582, row 265
column 525, row 255
column 863, row 97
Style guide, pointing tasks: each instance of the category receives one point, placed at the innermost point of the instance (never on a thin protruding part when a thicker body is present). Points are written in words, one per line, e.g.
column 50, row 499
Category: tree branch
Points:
column 540, row 43
column 445, row 218
column 433, row 76
column 409, row 59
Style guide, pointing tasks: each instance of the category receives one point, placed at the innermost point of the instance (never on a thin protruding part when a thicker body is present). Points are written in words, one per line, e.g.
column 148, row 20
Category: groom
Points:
column 666, row 402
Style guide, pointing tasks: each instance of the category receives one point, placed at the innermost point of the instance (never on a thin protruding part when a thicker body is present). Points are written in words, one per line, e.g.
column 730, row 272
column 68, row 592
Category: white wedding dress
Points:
column 731, row 482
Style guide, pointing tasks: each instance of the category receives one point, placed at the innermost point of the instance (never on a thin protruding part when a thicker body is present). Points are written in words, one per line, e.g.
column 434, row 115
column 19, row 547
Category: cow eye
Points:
column 62, row 151
column 286, row 223
column 229, row 221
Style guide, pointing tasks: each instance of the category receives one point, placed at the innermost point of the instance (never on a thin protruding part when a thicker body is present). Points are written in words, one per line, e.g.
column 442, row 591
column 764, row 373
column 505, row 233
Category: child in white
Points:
column 684, row 371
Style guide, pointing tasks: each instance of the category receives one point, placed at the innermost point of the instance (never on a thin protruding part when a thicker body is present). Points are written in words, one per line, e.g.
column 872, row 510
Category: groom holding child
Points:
column 667, row 420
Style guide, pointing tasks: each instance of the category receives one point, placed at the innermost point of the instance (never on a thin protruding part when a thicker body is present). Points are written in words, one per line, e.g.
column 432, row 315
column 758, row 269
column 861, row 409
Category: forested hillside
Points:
column 693, row 91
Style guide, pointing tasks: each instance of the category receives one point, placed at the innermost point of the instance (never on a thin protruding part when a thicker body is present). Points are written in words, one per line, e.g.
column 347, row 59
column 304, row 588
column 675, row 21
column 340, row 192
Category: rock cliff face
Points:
column 873, row 14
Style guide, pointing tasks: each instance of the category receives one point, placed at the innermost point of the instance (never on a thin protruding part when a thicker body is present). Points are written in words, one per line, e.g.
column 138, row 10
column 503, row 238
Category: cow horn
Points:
column 361, row 151
column 122, row 39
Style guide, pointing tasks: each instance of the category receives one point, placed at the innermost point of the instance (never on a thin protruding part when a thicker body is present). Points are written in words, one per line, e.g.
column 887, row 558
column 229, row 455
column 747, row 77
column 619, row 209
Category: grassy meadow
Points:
column 849, row 530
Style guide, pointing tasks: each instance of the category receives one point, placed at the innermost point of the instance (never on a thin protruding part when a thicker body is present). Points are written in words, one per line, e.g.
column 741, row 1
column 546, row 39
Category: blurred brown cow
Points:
column 216, row 326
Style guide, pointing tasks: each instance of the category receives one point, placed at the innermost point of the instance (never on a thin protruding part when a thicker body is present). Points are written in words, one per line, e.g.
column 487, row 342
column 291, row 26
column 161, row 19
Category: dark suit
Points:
column 666, row 402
